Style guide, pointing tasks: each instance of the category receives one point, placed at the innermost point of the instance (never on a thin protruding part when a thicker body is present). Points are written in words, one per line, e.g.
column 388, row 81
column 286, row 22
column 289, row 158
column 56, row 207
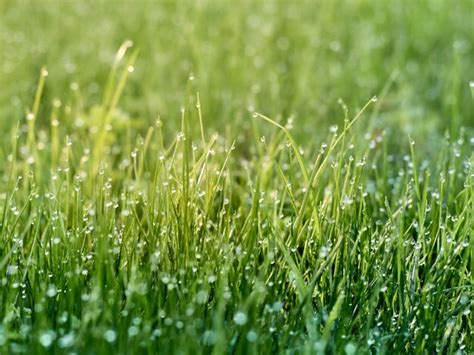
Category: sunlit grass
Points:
column 278, row 233
column 122, row 241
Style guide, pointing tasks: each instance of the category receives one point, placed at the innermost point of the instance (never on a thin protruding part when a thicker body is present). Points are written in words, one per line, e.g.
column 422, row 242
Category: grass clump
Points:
column 262, row 216
column 114, row 240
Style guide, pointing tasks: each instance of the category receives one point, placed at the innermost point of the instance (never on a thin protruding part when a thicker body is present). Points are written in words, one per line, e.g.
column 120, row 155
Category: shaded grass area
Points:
column 306, row 224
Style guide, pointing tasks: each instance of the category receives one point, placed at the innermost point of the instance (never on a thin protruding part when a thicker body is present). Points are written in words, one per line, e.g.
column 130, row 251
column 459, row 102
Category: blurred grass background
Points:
column 109, row 232
column 283, row 58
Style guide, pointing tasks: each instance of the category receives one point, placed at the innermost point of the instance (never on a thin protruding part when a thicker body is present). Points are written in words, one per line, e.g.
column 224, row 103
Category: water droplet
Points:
column 156, row 333
column 52, row 291
column 374, row 98
column 110, row 336
column 252, row 336
column 277, row 306
column 133, row 331
column 333, row 129
column 347, row 200
column 240, row 318
column 201, row 297
column 350, row 349
column 12, row 269
column 255, row 115
column 209, row 337
column 66, row 341
column 130, row 68
column 56, row 103
column 47, row 338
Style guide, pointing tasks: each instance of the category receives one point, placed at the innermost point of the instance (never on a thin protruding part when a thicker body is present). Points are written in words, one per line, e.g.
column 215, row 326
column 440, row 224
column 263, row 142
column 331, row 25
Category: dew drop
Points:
column 66, row 341
column 350, row 349
column 252, row 336
column 52, row 291
column 240, row 318
column 333, row 129
column 201, row 297
column 47, row 338
column 133, row 331
column 110, row 336
column 209, row 337
column 12, row 269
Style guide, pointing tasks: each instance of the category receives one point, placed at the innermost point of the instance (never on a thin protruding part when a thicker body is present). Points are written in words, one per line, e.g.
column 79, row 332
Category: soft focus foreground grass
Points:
column 307, row 224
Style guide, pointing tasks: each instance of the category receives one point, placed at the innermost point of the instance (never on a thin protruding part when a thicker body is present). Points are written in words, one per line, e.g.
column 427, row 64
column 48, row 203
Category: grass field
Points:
column 236, row 178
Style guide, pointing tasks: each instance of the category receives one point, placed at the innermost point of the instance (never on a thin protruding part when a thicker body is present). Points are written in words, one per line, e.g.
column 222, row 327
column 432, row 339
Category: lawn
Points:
column 254, row 177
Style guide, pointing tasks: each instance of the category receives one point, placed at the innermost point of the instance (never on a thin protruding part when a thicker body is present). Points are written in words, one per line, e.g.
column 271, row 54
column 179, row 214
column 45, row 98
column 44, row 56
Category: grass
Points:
column 183, row 198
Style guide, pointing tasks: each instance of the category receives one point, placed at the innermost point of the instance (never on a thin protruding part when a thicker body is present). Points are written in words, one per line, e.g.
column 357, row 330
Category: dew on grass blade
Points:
column 12, row 269
column 350, row 349
column 110, row 336
column 47, row 338
column 156, row 333
column 252, row 336
column 201, row 297
column 66, row 341
column 133, row 331
column 277, row 306
column 240, row 318
column 52, row 291
column 209, row 337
